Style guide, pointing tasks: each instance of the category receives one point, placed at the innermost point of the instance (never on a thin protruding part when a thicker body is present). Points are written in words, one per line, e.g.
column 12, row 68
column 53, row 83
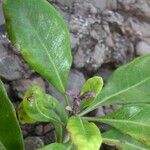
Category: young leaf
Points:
column 128, row 84
column 84, row 135
column 132, row 120
column 10, row 132
column 40, row 107
column 40, row 34
column 122, row 141
column 93, row 86
column 54, row 146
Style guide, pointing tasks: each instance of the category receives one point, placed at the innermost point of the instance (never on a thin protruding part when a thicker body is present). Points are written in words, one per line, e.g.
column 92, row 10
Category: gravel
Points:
column 32, row 143
column 142, row 48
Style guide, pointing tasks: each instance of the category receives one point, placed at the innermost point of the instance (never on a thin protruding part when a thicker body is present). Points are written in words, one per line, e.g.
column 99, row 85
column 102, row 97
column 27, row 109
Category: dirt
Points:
column 104, row 35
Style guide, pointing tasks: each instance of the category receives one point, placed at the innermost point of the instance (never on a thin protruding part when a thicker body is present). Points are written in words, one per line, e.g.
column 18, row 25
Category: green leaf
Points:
column 122, row 141
column 10, row 132
column 84, row 135
column 132, row 120
column 40, row 107
column 92, row 85
column 54, row 146
column 2, row 146
column 40, row 34
column 128, row 84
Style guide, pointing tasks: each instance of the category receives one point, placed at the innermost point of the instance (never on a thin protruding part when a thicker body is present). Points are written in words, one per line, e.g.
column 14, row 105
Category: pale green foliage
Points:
column 84, row 135
column 94, row 86
column 40, row 107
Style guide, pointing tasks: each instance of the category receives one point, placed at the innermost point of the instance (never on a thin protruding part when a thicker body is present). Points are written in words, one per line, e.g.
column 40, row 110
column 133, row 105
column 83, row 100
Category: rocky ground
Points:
column 105, row 34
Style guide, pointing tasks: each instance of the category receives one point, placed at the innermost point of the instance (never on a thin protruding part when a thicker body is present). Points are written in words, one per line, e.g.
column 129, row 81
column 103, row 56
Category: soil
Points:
column 105, row 34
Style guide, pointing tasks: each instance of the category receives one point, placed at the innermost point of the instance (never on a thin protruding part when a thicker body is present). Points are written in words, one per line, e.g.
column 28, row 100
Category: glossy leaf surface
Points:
column 40, row 34
column 40, row 107
column 54, row 146
column 84, row 135
column 9, row 126
column 93, row 86
column 128, row 84
column 133, row 120
column 121, row 141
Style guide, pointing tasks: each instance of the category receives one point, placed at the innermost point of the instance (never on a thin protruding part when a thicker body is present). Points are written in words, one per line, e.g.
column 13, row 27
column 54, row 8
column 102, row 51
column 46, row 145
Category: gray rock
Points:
column 11, row 67
column 103, row 4
column 113, row 17
column 105, row 72
column 142, row 48
column 32, row 143
column 139, row 28
column 123, row 50
column 100, row 112
column 112, row 48
column 39, row 130
column 47, row 128
column 79, row 58
column 76, row 81
column 101, row 39
column 49, row 138
column 98, row 56
column 92, row 52
column 65, row 2
column 108, row 109
column 28, row 130
column 138, row 7
column 74, row 41
column 21, row 86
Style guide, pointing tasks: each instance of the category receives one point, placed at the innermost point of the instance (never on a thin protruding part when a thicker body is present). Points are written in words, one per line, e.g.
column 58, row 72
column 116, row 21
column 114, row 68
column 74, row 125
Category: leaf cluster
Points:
column 42, row 38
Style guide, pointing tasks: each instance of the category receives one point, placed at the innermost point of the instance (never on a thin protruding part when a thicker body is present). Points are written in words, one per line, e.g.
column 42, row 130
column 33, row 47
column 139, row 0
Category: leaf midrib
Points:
column 113, row 95
column 82, row 125
column 123, row 121
column 127, row 143
column 45, row 48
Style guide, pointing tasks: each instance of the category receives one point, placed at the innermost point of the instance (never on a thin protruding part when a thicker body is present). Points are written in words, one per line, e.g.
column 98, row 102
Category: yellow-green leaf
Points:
column 40, row 107
column 93, row 86
column 84, row 135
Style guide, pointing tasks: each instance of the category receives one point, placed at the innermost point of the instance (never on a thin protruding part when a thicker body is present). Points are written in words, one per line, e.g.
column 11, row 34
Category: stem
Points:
column 84, row 112
column 67, row 100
